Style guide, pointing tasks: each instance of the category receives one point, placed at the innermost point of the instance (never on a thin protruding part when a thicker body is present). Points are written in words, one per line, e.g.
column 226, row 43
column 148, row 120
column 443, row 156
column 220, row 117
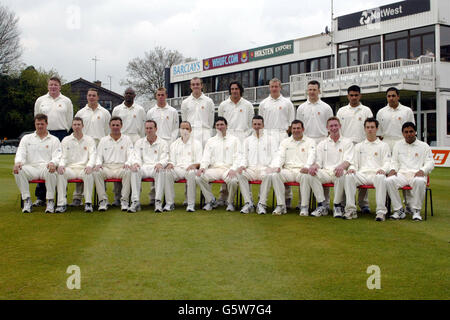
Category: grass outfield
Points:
column 220, row 255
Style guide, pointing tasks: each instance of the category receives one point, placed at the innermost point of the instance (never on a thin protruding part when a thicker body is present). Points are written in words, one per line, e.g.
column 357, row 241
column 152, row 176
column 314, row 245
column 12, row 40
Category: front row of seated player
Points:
column 297, row 159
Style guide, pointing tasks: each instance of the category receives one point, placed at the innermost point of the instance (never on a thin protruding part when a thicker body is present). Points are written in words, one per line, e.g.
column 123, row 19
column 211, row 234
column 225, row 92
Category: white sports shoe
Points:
column 337, row 212
column 124, row 205
column 261, row 209
column 158, row 206
column 248, row 207
column 50, row 206
column 230, row 207
column 399, row 214
column 279, row 210
column 27, row 206
column 169, row 207
column 416, row 215
column 320, row 211
column 103, row 205
column 190, row 208
column 348, row 215
column 380, row 217
column 135, row 206
column 304, row 212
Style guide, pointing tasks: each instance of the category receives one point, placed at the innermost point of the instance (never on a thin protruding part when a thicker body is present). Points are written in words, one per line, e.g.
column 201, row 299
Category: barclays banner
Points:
column 383, row 13
column 186, row 68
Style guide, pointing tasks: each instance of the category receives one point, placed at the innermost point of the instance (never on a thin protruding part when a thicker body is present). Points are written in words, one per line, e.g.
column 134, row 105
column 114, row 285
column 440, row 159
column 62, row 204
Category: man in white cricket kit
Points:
column 198, row 110
column 151, row 155
column 238, row 112
column 165, row 116
column 259, row 151
column 77, row 162
column 392, row 117
column 278, row 113
column 370, row 164
column 412, row 161
column 132, row 114
column 59, row 110
column 184, row 160
column 352, row 117
column 295, row 156
column 314, row 113
column 333, row 157
column 114, row 153
column 96, row 125
column 37, row 156
column 95, row 117
column 220, row 161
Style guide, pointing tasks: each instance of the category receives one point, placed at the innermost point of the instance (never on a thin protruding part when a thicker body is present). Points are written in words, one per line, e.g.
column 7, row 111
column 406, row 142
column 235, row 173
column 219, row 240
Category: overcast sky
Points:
column 67, row 35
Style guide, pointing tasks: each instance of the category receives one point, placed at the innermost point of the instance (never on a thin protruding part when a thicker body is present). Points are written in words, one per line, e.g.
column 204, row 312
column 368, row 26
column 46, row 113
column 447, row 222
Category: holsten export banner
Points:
column 273, row 50
column 383, row 13
column 186, row 68
column 225, row 60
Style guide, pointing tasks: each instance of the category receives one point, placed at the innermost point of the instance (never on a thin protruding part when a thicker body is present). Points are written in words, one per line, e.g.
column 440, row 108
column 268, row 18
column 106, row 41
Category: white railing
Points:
column 418, row 72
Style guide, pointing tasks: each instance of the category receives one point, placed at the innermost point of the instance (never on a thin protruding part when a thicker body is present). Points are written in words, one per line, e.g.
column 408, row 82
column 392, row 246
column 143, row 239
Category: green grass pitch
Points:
column 219, row 255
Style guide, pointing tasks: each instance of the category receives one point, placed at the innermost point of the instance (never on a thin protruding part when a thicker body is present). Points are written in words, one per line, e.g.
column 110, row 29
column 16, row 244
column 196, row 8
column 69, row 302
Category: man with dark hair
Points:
column 114, row 154
column 77, row 162
column 314, row 113
column 238, row 112
column 132, row 115
column 392, row 117
column 59, row 110
column 412, row 161
column 353, row 115
column 198, row 109
column 95, row 117
column 37, row 157
column 220, row 161
column 259, row 151
column 352, row 119
column 370, row 164
column 295, row 156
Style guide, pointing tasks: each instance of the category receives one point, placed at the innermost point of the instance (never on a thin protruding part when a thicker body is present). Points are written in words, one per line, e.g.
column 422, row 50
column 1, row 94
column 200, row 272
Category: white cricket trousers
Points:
column 252, row 174
column 34, row 172
column 327, row 176
column 74, row 173
column 176, row 174
column 417, row 194
column 217, row 174
column 288, row 175
column 147, row 172
column 110, row 171
column 354, row 180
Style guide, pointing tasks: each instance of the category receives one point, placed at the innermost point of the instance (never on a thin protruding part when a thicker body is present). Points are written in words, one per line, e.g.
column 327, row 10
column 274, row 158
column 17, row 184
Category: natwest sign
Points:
column 383, row 13
column 225, row 60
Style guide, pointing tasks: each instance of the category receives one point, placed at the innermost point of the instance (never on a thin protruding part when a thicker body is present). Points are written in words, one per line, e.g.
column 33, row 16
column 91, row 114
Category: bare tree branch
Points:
column 10, row 49
column 147, row 74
